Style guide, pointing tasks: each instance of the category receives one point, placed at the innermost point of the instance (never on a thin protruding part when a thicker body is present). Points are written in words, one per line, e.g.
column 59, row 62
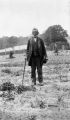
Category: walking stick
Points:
column 24, row 70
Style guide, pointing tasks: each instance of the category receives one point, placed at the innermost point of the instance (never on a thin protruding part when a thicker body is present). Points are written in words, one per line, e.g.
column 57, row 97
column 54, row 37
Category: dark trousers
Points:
column 36, row 64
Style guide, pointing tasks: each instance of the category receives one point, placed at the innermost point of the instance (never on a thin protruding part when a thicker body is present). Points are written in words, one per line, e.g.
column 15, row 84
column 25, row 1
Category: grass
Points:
column 48, row 102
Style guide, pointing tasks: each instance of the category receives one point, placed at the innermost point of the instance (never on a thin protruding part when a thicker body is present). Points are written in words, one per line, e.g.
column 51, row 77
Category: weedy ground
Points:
column 48, row 102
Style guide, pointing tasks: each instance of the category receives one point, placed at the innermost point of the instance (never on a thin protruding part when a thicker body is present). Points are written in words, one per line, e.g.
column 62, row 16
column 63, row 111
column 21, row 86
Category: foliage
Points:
column 6, row 71
column 54, row 34
column 7, row 86
column 11, row 54
column 12, row 41
column 6, row 42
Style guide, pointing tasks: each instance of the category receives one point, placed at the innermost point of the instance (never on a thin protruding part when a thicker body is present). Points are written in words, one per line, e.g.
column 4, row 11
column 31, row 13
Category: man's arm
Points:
column 44, row 49
column 27, row 51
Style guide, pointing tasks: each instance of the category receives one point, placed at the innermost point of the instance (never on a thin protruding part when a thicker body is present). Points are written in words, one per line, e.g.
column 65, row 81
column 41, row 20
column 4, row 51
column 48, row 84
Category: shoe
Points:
column 41, row 84
column 33, row 83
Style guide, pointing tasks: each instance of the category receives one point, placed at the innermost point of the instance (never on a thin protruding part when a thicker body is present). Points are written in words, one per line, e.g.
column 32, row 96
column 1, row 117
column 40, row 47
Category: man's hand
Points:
column 45, row 59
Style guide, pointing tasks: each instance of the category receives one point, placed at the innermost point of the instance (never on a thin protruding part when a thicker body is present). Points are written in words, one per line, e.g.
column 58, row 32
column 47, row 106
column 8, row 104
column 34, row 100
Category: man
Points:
column 36, row 56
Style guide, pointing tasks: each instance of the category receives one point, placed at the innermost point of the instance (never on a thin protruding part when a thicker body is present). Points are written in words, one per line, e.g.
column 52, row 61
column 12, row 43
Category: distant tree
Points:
column 56, row 49
column 6, row 42
column 55, row 33
column 1, row 44
column 12, row 41
column 11, row 54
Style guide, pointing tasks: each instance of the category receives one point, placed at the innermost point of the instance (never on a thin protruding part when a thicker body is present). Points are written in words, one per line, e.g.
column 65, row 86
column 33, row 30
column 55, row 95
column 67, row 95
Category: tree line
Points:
column 54, row 34
column 6, row 42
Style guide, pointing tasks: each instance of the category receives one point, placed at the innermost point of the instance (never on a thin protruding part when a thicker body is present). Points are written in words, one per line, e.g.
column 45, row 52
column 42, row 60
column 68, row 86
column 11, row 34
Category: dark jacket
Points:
column 41, row 49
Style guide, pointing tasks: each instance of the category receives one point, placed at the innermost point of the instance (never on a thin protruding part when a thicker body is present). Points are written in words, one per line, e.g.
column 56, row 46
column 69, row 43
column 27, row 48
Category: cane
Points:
column 24, row 70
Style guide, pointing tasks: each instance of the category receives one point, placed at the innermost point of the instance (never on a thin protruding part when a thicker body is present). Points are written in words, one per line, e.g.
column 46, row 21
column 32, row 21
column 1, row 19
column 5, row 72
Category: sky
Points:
column 19, row 17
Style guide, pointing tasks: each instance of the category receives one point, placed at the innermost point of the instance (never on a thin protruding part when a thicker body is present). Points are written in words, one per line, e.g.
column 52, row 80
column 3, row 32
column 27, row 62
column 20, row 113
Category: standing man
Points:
column 36, row 56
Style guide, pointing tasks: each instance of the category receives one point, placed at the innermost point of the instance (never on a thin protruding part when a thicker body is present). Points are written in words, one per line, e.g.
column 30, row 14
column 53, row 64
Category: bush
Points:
column 7, row 86
column 11, row 54
column 7, row 71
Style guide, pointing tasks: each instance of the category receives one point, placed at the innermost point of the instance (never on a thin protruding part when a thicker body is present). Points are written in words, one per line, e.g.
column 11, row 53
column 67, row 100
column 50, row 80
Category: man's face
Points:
column 35, row 33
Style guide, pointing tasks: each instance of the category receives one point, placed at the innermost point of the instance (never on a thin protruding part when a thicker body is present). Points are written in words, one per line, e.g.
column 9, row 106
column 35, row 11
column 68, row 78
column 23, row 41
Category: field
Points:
column 48, row 102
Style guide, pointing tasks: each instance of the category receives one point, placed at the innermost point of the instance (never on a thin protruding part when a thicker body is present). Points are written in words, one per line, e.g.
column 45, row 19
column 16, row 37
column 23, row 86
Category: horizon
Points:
column 19, row 17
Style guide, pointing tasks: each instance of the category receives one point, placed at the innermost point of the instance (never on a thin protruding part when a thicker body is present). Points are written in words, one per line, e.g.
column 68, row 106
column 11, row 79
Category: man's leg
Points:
column 39, row 70
column 33, row 71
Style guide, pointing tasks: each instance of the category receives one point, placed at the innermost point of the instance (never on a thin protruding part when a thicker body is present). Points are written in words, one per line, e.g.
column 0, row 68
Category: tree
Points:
column 54, row 34
column 12, row 41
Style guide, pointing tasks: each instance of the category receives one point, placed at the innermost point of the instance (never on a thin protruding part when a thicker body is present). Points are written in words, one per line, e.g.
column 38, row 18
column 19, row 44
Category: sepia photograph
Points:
column 34, row 60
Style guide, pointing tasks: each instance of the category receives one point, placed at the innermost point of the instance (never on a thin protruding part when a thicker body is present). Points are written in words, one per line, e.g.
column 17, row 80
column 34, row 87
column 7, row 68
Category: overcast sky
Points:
column 19, row 17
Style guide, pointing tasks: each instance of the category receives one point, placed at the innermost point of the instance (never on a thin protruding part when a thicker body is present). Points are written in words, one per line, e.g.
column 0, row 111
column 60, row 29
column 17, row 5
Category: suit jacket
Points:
column 41, row 49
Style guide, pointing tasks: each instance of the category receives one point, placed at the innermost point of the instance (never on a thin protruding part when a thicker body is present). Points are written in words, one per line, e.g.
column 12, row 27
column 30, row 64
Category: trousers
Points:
column 36, row 64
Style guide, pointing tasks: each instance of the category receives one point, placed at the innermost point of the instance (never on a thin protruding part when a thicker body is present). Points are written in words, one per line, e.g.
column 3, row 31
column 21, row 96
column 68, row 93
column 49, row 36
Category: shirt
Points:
column 35, row 39
column 35, row 48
